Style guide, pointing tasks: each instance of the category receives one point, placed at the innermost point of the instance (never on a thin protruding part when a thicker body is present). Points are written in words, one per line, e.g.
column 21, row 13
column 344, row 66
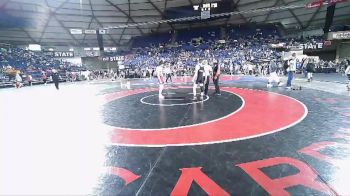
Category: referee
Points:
column 216, row 75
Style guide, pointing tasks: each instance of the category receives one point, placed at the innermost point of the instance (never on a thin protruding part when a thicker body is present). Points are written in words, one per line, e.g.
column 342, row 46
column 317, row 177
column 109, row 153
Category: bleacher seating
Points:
column 252, row 30
column 152, row 40
column 207, row 34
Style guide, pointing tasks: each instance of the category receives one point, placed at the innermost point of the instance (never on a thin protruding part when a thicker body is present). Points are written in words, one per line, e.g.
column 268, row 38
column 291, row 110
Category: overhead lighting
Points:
column 87, row 49
column 214, row 5
column 71, row 49
column 195, row 7
column 50, row 49
column 95, row 48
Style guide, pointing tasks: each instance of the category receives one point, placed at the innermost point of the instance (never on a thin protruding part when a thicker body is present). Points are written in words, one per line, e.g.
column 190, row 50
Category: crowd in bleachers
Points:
column 239, row 49
column 33, row 67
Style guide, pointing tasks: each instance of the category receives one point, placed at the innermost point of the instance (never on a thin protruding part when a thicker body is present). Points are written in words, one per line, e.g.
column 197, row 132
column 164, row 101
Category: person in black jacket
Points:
column 310, row 68
column 216, row 75
column 55, row 78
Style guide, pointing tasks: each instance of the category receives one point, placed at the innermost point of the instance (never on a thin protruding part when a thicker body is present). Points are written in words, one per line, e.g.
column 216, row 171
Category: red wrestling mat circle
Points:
column 262, row 113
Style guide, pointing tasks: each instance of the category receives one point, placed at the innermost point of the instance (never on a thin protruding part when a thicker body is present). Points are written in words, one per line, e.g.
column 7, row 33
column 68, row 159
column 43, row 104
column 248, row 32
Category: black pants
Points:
column 206, row 85
column 216, row 83
column 168, row 76
column 56, row 85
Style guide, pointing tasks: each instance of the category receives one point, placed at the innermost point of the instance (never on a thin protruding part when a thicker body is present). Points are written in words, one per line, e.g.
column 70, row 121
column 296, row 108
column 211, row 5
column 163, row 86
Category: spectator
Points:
column 291, row 70
column 18, row 80
column 55, row 78
column 30, row 80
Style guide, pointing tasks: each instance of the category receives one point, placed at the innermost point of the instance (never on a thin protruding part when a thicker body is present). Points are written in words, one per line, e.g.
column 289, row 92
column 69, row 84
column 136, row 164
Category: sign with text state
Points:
column 307, row 46
column 311, row 46
column 63, row 54
column 113, row 58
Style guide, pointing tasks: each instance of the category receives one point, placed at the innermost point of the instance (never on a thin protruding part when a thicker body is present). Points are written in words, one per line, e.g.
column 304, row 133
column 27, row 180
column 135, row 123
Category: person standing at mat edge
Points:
column 216, row 75
column 198, row 78
column 292, row 66
column 55, row 78
column 18, row 79
column 207, row 71
column 167, row 72
column 160, row 76
column 347, row 72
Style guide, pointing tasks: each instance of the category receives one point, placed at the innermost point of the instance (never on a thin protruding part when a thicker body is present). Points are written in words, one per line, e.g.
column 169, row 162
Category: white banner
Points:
column 90, row 31
column 76, row 31
column 339, row 35
column 102, row 31
column 221, row 41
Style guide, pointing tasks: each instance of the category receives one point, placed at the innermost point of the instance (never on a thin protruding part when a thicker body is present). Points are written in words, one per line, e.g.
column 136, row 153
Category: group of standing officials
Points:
column 203, row 72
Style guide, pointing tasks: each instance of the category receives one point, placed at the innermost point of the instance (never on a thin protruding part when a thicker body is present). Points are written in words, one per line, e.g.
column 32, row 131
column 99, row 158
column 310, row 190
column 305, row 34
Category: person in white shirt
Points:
column 347, row 72
column 207, row 71
column 273, row 74
column 18, row 79
column 292, row 66
column 198, row 78
column 231, row 68
column 160, row 76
